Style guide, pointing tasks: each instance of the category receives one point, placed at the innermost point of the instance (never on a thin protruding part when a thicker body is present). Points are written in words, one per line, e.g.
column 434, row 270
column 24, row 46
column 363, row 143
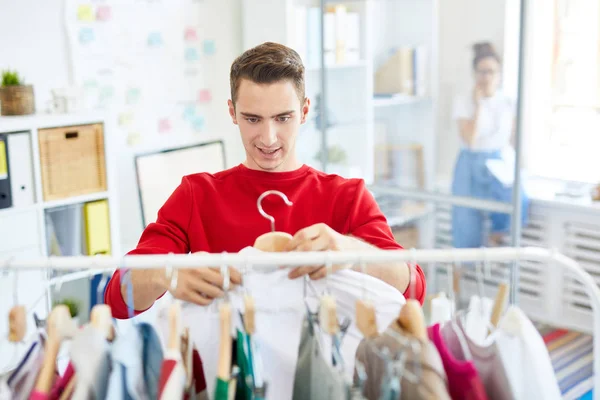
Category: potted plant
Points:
column 16, row 98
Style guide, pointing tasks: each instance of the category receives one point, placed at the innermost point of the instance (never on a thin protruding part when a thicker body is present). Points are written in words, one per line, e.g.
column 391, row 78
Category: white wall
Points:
column 33, row 40
column 462, row 23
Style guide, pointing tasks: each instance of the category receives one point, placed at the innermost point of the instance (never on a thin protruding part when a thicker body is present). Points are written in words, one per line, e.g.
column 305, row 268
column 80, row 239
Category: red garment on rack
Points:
column 218, row 212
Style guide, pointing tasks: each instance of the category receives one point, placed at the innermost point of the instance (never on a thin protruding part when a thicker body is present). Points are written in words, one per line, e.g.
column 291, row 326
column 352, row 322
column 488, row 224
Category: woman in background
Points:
column 486, row 121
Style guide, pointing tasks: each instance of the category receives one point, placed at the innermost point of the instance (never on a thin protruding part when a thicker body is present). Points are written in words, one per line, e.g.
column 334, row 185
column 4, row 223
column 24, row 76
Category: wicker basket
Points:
column 17, row 100
column 72, row 161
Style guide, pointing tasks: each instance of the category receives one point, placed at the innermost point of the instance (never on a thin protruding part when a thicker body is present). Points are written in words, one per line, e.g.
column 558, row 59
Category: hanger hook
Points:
column 247, row 270
column 15, row 278
column 363, row 269
column 225, row 274
column 172, row 273
column 263, row 213
column 451, row 292
column 412, row 270
column 487, row 266
column 328, row 270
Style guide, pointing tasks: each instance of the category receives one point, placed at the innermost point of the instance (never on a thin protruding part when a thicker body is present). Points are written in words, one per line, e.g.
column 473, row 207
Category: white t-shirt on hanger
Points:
column 495, row 123
column 280, row 309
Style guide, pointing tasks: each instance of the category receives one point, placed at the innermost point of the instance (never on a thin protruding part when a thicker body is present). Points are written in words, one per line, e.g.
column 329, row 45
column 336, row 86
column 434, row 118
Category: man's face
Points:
column 269, row 117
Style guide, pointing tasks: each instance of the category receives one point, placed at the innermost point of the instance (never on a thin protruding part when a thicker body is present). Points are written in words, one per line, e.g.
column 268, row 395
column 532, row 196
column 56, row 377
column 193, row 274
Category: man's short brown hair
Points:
column 267, row 63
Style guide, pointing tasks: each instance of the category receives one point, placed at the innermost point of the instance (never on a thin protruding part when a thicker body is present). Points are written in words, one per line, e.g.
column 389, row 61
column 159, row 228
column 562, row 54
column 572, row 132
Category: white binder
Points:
column 21, row 169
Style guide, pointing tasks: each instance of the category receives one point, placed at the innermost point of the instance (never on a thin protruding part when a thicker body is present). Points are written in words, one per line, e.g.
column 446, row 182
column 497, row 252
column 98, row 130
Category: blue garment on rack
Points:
column 472, row 178
column 136, row 361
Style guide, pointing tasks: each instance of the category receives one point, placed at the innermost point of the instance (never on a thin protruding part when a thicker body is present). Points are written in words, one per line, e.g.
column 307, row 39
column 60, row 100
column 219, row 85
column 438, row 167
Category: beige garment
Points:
column 425, row 364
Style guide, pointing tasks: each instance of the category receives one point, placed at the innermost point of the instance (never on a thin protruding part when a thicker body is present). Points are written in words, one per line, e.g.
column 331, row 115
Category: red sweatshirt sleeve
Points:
column 367, row 222
column 169, row 234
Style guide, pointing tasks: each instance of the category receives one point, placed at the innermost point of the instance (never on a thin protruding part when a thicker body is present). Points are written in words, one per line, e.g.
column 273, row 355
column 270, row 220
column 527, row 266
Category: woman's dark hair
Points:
column 484, row 50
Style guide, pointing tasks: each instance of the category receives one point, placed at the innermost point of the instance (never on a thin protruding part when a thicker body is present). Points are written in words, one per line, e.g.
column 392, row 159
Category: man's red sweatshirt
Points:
column 218, row 212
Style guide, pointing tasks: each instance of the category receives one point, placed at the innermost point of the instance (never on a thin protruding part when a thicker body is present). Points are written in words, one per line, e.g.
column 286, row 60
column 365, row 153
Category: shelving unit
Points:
column 352, row 109
column 25, row 228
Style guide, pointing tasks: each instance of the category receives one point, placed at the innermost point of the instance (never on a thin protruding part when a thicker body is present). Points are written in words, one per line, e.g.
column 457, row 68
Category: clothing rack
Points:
column 97, row 264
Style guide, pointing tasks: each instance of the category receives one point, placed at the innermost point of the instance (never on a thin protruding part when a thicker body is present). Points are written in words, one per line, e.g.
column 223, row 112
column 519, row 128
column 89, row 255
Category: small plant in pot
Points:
column 72, row 305
column 16, row 98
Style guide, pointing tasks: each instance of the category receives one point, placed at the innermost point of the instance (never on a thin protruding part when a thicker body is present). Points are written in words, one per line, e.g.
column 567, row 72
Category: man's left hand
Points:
column 318, row 237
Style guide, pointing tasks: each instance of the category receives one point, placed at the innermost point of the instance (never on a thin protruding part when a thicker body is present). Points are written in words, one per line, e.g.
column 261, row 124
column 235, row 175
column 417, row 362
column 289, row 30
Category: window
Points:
column 562, row 98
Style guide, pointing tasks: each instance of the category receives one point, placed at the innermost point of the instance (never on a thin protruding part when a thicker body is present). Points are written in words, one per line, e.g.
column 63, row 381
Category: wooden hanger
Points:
column 17, row 324
column 249, row 313
column 412, row 319
column 328, row 315
column 366, row 320
column 101, row 314
column 224, row 365
column 175, row 326
column 60, row 326
column 272, row 241
column 101, row 319
column 499, row 303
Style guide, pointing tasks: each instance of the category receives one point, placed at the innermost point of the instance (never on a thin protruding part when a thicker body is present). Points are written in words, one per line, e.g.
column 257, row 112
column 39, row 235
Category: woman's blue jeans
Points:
column 473, row 179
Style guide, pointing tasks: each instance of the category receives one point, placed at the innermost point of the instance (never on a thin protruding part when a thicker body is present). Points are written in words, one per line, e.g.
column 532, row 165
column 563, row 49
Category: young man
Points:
column 216, row 213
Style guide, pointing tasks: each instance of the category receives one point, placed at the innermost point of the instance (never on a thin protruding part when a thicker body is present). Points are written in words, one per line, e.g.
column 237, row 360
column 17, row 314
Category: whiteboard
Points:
column 159, row 173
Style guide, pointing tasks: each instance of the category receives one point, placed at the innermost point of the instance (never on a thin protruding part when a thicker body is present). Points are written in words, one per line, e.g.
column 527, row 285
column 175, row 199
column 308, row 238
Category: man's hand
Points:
column 318, row 237
column 201, row 286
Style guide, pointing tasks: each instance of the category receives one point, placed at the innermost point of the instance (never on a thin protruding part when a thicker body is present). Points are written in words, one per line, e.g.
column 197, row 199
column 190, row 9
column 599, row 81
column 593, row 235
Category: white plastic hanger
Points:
column 272, row 241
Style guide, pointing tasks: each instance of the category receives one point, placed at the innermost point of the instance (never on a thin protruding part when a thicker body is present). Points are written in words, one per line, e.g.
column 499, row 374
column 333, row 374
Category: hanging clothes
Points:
column 486, row 358
column 171, row 384
column 280, row 309
column 315, row 378
column 226, row 390
column 525, row 357
column 136, row 363
column 463, row 380
column 421, row 361
column 250, row 385
column 22, row 380
column 90, row 355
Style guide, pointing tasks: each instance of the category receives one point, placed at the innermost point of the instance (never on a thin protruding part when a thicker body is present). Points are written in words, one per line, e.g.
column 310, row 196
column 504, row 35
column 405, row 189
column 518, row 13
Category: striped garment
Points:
column 571, row 354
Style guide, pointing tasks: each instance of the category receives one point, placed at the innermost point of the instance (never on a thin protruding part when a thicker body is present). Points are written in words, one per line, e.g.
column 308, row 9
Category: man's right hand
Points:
column 201, row 285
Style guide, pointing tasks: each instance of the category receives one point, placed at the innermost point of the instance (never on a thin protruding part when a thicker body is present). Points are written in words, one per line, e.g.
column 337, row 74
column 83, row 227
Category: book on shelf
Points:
column 404, row 72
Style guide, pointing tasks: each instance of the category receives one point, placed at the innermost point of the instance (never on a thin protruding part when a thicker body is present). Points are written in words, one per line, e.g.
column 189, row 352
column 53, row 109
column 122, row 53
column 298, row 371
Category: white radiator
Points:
column 545, row 295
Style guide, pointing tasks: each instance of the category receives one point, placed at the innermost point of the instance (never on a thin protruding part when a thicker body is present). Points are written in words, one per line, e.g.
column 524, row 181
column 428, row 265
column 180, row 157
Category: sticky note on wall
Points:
column 86, row 35
column 198, row 123
column 155, row 39
column 190, row 34
column 85, row 13
column 210, row 47
column 103, row 13
column 164, row 125
column 204, row 96
column 191, row 54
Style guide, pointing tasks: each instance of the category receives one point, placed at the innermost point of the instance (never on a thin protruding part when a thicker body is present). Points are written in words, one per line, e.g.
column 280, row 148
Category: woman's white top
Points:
column 495, row 122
